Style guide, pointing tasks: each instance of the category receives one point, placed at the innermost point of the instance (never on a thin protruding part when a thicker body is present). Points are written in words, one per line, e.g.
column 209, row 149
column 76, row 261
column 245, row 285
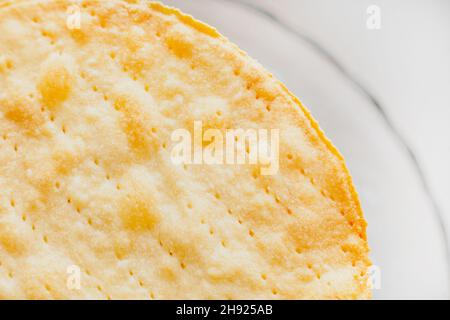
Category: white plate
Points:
column 404, row 233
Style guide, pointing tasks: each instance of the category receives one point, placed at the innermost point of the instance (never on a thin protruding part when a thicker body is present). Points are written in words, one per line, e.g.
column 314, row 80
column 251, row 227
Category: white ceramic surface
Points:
column 383, row 97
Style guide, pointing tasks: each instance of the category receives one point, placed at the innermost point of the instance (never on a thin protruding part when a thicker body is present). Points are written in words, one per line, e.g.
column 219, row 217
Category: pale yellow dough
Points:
column 86, row 178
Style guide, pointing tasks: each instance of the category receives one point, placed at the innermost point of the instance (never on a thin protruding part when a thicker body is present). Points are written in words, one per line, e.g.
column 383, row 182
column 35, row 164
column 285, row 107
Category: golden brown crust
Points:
column 86, row 177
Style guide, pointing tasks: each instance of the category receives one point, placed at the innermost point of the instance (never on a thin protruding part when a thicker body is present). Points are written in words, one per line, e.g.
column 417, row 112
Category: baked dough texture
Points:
column 87, row 182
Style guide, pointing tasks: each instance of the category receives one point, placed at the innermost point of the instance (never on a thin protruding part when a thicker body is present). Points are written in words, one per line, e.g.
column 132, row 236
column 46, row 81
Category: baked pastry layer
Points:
column 88, row 187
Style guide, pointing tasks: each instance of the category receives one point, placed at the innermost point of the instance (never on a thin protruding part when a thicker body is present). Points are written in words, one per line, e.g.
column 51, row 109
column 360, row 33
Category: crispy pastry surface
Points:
column 87, row 182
